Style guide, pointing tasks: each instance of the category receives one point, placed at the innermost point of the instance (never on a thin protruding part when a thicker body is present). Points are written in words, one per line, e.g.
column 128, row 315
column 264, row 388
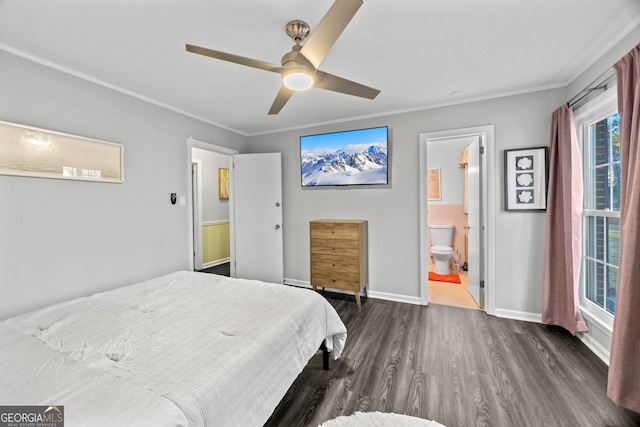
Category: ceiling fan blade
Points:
column 329, row 29
column 281, row 98
column 235, row 58
column 338, row 84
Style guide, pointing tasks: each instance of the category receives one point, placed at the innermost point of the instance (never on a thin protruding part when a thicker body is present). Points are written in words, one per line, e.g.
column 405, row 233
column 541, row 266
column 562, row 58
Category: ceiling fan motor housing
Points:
column 298, row 30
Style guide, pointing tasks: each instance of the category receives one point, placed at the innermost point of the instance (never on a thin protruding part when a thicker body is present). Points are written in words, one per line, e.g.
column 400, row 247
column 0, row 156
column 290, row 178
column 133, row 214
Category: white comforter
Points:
column 186, row 349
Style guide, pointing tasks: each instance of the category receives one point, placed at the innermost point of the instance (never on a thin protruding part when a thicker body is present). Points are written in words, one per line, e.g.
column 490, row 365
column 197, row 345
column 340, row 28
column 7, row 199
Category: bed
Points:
column 185, row 349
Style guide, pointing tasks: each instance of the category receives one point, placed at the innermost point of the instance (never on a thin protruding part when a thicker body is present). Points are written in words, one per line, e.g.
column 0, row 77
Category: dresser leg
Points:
column 358, row 298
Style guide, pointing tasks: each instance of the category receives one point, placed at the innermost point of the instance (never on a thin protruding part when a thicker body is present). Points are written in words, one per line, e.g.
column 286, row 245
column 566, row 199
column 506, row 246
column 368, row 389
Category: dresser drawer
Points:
column 335, row 247
column 336, row 280
column 335, row 230
column 323, row 263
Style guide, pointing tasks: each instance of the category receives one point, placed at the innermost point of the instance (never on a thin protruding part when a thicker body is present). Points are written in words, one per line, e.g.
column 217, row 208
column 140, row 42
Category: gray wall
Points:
column 62, row 239
column 393, row 213
column 619, row 49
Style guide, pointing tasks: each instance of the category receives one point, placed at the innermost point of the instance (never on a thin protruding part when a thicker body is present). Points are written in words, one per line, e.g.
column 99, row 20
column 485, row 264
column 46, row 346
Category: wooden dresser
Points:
column 339, row 256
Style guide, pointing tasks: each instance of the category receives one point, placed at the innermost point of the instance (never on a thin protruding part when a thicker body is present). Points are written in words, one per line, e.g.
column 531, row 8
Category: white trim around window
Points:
column 597, row 318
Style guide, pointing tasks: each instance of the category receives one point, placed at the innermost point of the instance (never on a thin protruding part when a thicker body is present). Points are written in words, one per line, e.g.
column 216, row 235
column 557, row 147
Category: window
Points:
column 602, row 213
column 598, row 131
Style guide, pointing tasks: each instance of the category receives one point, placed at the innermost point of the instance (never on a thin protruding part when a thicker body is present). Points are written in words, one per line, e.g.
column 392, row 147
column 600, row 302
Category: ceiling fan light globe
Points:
column 298, row 79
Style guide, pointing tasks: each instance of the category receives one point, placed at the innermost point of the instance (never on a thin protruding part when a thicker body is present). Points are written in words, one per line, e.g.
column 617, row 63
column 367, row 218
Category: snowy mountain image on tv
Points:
column 344, row 158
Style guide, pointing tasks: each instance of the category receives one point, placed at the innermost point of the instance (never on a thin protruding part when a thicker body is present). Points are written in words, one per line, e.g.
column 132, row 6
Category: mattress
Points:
column 185, row 349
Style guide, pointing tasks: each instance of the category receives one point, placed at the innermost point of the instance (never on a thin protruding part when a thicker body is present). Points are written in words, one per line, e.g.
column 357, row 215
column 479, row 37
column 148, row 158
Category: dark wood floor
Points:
column 221, row 269
column 456, row 366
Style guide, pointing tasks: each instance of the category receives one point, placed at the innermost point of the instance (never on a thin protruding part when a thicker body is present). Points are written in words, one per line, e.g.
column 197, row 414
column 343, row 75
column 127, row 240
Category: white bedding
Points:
column 186, row 349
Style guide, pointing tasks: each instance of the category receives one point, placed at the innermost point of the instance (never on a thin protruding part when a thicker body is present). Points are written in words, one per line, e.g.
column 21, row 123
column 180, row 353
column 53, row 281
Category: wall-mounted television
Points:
column 353, row 157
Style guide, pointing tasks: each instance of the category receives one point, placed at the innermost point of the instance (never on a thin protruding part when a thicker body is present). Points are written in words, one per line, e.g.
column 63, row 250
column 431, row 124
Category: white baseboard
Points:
column 372, row 294
column 394, row 297
column 597, row 338
column 214, row 263
column 597, row 348
column 518, row 315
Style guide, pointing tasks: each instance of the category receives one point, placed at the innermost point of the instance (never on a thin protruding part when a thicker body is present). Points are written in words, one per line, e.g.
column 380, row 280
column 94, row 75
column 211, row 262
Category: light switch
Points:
column 183, row 201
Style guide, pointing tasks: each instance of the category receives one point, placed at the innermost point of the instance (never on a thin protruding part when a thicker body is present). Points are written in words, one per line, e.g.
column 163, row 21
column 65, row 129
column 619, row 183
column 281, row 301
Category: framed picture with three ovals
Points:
column 525, row 179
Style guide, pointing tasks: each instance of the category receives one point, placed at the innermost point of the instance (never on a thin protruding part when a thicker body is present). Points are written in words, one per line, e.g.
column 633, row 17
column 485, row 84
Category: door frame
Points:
column 487, row 210
column 196, row 212
column 193, row 227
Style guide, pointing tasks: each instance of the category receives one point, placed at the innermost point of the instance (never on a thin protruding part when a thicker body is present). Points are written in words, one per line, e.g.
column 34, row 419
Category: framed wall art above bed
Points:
column 40, row 153
column 525, row 179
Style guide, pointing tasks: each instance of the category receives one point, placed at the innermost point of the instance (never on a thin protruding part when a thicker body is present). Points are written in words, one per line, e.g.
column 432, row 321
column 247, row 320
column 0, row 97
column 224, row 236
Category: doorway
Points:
column 210, row 219
column 254, row 210
column 452, row 221
column 473, row 241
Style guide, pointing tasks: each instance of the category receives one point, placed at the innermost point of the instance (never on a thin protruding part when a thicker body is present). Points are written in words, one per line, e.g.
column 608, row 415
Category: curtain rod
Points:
column 591, row 88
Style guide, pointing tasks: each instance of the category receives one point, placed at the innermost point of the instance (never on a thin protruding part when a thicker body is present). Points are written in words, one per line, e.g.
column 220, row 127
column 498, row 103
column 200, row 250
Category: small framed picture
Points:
column 434, row 185
column 223, row 183
column 525, row 179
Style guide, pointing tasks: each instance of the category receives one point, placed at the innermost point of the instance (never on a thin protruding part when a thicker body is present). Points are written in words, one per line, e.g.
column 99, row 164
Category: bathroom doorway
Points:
column 448, row 222
column 455, row 211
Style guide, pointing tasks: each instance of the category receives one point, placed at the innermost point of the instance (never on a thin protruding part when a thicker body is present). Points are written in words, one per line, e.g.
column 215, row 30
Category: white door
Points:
column 257, row 212
column 474, row 232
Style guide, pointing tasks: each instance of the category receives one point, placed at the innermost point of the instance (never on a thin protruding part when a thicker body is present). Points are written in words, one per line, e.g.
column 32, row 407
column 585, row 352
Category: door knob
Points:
column 277, row 204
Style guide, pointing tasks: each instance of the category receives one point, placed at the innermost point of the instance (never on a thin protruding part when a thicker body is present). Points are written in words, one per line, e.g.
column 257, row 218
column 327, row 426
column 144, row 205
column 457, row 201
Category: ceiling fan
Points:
column 299, row 69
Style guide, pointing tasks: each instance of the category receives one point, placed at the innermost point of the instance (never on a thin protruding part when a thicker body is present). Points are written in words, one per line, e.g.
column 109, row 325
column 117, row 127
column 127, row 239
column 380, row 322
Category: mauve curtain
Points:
column 624, row 364
column 563, row 232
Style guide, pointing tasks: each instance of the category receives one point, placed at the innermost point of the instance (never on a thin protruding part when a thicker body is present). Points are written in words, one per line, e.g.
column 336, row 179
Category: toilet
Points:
column 441, row 240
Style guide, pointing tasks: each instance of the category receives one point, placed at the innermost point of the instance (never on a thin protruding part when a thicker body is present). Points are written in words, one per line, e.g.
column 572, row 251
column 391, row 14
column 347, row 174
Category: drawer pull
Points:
column 333, row 280
column 333, row 248
column 333, row 264
column 333, row 231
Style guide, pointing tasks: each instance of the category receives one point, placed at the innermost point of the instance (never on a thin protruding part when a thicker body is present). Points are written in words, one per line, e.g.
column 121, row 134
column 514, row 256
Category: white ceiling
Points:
column 417, row 52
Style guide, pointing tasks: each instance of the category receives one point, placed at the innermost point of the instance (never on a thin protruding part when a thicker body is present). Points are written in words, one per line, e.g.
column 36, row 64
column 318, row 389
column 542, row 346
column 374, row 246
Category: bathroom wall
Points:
column 445, row 155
